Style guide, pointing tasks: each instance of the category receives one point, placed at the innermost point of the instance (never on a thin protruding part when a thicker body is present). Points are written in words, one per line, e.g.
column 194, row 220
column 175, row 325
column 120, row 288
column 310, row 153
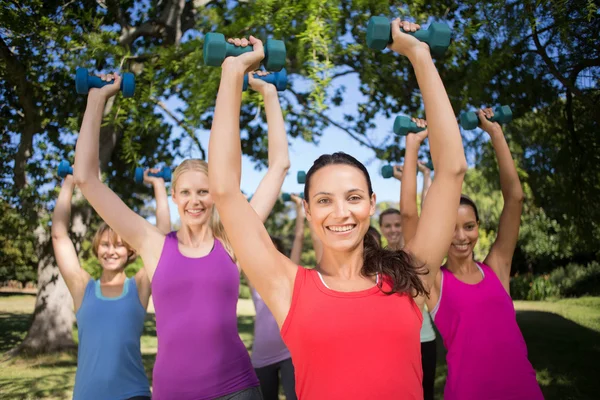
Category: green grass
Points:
column 563, row 339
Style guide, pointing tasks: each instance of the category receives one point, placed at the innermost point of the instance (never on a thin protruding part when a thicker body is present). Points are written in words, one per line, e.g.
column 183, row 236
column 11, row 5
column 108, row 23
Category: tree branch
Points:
column 302, row 101
column 183, row 124
column 16, row 76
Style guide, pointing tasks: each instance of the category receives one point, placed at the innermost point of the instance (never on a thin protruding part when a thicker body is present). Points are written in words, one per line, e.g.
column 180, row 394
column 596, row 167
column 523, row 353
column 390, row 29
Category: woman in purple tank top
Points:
column 193, row 273
column 471, row 303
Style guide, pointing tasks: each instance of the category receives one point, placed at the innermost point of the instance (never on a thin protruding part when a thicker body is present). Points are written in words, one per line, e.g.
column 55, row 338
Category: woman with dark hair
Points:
column 351, row 324
column 470, row 300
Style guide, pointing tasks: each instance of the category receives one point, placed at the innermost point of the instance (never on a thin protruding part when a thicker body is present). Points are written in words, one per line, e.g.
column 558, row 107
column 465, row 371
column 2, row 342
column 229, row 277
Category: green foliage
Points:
column 574, row 280
column 17, row 253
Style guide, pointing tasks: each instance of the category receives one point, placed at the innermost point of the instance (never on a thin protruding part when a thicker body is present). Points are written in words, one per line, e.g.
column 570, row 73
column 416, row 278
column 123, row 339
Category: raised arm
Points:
column 436, row 225
column 64, row 251
column 408, row 193
column 426, row 180
column 144, row 237
column 296, row 252
column 279, row 160
column 270, row 272
column 501, row 253
column 163, row 216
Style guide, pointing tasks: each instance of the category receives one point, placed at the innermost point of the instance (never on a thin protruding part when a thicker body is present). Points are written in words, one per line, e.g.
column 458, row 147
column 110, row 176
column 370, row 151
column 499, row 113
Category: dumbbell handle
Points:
column 278, row 79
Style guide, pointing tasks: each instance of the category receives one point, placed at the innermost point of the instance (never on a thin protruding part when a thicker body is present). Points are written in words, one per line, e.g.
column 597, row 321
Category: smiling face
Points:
column 190, row 194
column 339, row 206
column 466, row 233
column 112, row 252
column 391, row 229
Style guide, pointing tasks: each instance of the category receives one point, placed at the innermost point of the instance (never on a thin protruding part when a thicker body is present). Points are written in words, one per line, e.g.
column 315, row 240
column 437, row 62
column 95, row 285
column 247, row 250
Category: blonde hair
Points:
column 194, row 164
column 113, row 238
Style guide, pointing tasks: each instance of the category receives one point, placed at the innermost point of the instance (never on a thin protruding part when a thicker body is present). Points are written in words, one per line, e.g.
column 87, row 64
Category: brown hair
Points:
column 399, row 266
column 113, row 238
column 194, row 164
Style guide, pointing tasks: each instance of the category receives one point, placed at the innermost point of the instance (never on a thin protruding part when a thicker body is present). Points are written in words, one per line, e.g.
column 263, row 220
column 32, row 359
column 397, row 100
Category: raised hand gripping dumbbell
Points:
column 404, row 125
column 216, row 49
column 84, row 81
column 164, row 173
column 285, row 197
column 437, row 35
column 64, row 169
column 470, row 120
column 279, row 79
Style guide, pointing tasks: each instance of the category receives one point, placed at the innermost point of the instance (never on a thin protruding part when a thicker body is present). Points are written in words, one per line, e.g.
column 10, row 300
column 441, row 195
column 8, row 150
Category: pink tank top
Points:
column 487, row 355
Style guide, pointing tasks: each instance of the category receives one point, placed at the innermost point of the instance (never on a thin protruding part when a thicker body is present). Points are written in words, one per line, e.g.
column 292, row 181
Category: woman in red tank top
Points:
column 352, row 324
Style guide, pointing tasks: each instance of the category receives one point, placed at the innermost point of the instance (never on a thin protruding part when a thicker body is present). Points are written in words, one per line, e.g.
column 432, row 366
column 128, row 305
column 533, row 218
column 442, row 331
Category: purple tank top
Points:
column 268, row 345
column 487, row 355
column 200, row 353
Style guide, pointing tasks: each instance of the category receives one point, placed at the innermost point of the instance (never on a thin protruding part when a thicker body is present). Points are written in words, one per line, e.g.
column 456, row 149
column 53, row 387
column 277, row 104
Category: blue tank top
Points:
column 109, row 360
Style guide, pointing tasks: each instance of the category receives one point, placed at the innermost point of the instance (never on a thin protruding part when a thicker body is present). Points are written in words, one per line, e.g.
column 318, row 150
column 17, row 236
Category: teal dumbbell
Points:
column 469, row 120
column 164, row 173
column 437, row 35
column 216, row 49
column 64, row 169
column 404, row 125
column 285, row 197
column 387, row 171
column 301, row 177
column 278, row 79
column 84, row 81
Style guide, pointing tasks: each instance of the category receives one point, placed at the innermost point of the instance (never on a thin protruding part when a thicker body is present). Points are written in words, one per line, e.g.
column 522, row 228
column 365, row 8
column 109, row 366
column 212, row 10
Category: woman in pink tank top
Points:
column 200, row 354
column 471, row 303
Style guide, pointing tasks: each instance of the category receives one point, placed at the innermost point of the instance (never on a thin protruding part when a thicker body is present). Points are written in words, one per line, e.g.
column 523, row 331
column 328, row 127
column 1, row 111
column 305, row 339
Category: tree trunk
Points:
column 52, row 326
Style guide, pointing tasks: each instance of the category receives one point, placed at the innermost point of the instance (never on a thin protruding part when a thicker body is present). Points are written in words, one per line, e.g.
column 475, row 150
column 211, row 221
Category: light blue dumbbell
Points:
column 164, row 173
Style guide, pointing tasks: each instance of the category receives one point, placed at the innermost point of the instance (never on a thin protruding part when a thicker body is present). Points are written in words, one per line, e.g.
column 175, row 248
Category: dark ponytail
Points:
column 398, row 267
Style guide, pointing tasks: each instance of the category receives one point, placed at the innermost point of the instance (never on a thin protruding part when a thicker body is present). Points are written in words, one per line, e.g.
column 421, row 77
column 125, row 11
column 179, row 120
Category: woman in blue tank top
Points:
column 110, row 311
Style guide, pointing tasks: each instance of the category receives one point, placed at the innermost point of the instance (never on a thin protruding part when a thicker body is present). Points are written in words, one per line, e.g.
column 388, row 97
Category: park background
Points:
column 542, row 58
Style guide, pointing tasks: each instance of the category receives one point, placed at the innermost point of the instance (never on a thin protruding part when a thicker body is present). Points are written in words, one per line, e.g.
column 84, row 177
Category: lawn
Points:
column 563, row 339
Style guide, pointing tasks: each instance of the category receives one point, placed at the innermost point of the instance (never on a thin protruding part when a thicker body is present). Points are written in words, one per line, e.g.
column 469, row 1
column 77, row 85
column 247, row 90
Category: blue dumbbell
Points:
column 164, row 173
column 437, row 35
column 279, row 79
column 285, row 197
column 301, row 177
column 387, row 171
column 470, row 120
column 64, row 169
column 404, row 125
column 216, row 49
column 84, row 81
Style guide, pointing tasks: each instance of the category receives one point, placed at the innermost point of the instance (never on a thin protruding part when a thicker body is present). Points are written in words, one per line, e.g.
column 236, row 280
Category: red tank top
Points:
column 353, row 345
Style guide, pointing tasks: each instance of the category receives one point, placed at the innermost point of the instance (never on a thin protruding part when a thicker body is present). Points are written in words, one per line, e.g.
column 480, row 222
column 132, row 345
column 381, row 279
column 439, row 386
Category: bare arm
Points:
column 144, row 237
column 501, row 253
column 163, row 216
column 408, row 196
column 426, row 181
column 296, row 252
column 436, row 225
column 279, row 160
column 64, row 251
column 270, row 272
